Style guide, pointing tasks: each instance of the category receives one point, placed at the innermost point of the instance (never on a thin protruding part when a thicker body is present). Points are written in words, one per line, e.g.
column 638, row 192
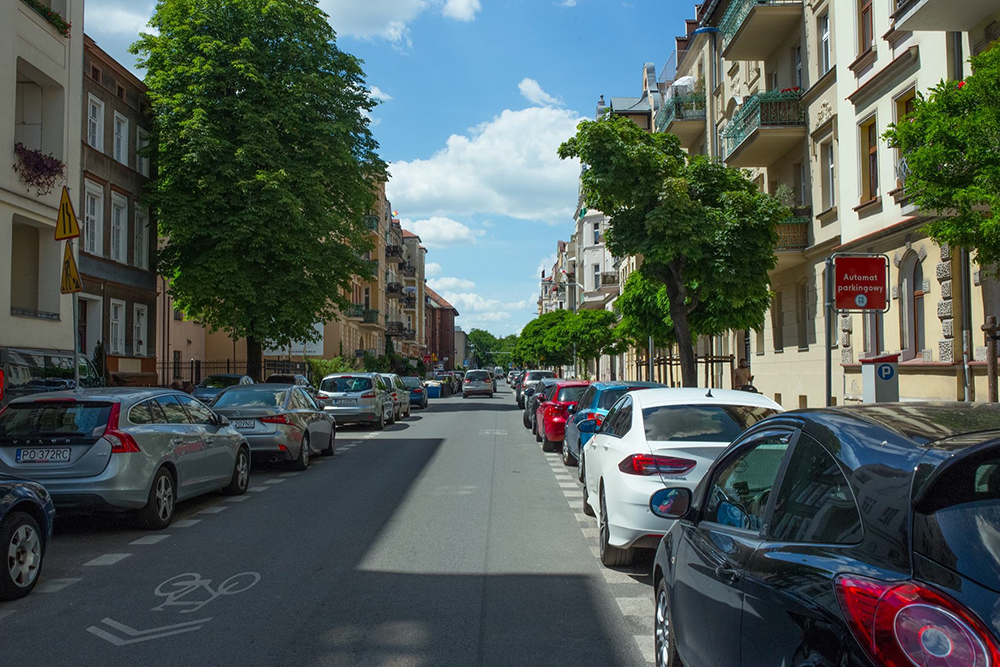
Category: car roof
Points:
column 700, row 396
column 618, row 384
column 224, row 375
column 100, row 393
column 261, row 386
column 348, row 374
column 573, row 383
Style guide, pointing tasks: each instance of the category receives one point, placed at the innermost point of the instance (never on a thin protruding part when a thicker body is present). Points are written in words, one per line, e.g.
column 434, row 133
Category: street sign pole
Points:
column 856, row 283
column 76, row 334
column 830, row 320
column 68, row 229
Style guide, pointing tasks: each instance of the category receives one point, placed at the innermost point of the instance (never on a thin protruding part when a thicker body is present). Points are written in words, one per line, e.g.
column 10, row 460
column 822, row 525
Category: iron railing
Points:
column 738, row 12
column 370, row 316
column 394, row 328
column 355, row 311
column 371, row 222
column 409, row 271
column 688, row 106
column 394, row 252
column 793, row 233
column 763, row 110
column 183, row 371
column 394, row 289
column 410, row 302
column 609, row 279
column 902, row 171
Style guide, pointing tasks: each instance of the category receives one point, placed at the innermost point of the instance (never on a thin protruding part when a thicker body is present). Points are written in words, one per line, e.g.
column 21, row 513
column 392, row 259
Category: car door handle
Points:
column 727, row 575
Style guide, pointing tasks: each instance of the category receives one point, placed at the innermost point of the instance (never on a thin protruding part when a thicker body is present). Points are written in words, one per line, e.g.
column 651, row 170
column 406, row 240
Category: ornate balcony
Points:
column 410, row 335
column 753, row 29
column 394, row 290
column 766, row 127
column 370, row 318
column 371, row 222
column 684, row 116
column 410, row 302
column 793, row 233
column 394, row 253
column 609, row 282
column 355, row 312
column 394, row 328
column 409, row 271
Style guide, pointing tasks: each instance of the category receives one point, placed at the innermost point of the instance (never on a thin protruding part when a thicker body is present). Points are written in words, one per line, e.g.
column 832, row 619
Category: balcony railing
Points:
column 738, row 12
column 902, row 171
column 410, row 335
column 394, row 289
column 394, row 328
column 371, row 222
column 763, row 110
column 394, row 253
column 409, row 271
column 609, row 279
column 370, row 316
column 355, row 311
column 689, row 106
column 410, row 302
column 793, row 233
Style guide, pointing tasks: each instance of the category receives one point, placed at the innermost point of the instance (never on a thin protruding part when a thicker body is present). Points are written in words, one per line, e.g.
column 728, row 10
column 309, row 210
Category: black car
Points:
column 533, row 396
column 291, row 378
column 879, row 545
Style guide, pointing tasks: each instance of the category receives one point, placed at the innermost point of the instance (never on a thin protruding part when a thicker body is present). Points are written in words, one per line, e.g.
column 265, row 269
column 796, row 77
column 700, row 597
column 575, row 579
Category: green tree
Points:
column 644, row 310
column 592, row 333
column 704, row 231
column 485, row 347
column 265, row 164
column 952, row 158
column 545, row 341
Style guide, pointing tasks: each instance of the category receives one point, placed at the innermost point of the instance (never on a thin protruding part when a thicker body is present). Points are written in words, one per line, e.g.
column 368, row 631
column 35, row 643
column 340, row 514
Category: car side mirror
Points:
column 587, row 426
column 529, row 391
column 571, row 409
column 673, row 503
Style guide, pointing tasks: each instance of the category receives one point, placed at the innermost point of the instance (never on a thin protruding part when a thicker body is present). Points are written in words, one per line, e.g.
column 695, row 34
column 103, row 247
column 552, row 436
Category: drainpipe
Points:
column 713, row 71
column 959, row 74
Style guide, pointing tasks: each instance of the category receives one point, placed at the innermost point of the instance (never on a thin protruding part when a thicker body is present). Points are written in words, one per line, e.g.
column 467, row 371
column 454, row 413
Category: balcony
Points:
column 371, row 222
column 793, row 238
column 394, row 328
column 394, row 254
column 410, row 302
column 409, row 271
column 939, row 15
column 370, row 318
column 753, row 29
column 394, row 290
column 684, row 116
column 410, row 335
column 766, row 127
column 609, row 282
column 355, row 312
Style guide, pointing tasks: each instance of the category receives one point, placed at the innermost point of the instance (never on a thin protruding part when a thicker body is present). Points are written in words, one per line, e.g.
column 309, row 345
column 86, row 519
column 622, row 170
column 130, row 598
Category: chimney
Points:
column 600, row 108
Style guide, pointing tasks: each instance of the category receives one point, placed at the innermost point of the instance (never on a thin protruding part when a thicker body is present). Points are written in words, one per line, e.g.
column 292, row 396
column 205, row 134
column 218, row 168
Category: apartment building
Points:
column 118, row 304
column 395, row 290
column 440, row 318
column 414, row 302
column 41, row 80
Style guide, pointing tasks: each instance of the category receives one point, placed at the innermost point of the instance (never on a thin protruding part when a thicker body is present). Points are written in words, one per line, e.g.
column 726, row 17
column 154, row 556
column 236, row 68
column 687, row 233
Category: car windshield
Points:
column 413, row 382
column 571, row 394
column 700, row 423
column 219, row 381
column 477, row 376
column 538, row 375
column 346, row 384
column 251, row 398
column 42, row 419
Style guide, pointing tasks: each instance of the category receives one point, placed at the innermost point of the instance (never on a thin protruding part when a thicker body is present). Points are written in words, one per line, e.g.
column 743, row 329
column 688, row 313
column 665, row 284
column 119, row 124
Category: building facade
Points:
column 440, row 330
column 414, row 301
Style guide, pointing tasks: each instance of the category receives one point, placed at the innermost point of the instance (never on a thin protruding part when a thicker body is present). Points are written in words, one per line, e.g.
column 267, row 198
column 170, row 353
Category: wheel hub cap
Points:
column 662, row 630
column 24, row 556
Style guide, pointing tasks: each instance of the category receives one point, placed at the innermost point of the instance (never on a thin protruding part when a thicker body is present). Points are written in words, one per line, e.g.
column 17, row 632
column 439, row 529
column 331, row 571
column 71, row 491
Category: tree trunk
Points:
column 682, row 331
column 254, row 361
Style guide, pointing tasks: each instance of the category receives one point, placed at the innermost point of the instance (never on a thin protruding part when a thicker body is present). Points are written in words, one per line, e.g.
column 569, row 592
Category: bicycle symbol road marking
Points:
column 179, row 591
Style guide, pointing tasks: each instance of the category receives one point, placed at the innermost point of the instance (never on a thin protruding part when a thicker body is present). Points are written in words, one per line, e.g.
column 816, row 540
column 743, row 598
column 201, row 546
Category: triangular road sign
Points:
column 70, row 275
column 66, row 225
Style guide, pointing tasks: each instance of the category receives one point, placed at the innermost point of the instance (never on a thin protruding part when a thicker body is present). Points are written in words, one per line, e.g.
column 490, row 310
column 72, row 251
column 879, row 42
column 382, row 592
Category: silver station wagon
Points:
column 357, row 398
column 122, row 449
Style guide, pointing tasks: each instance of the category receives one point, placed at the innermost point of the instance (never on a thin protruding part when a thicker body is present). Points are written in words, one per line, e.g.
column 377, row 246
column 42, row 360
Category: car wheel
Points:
column 547, row 445
column 611, row 556
column 568, row 459
column 587, row 509
column 380, row 425
column 392, row 416
column 666, row 645
column 22, row 541
column 581, row 471
column 302, row 462
column 241, row 474
column 520, row 404
column 159, row 509
column 525, row 420
column 331, row 448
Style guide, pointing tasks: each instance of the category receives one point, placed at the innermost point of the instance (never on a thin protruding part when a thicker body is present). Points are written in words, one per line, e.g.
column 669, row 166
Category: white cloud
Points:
column 569, row 3
column 506, row 166
column 533, row 92
column 441, row 232
column 380, row 94
column 545, row 265
column 476, row 309
column 390, row 19
column 461, row 10
column 448, row 284
column 116, row 18
column 432, row 269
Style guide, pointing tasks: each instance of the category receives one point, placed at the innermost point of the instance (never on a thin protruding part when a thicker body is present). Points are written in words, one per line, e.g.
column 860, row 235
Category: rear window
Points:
column 700, row 423
column 538, row 375
column 958, row 525
column 609, row 397
column 219, row 382
column 251, row 398
column 85, row 420
column 413, row 382
column 571, row 394
column 346, row 384
column 478, row 376
column 281, row 379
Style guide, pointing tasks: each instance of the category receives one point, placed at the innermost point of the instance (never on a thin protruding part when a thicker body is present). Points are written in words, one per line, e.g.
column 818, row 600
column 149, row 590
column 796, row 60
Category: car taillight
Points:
column 394, row 395
column 121, row 442
column 1, row 385
column 468, row 381
column 418, row 391
column 370, row 394
column 596, row 416
column 322, row 395
column 906, row 624
column 647, row 464
column 275, row 419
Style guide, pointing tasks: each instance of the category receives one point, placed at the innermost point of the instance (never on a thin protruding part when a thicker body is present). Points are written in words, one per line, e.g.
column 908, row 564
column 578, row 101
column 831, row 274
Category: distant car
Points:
column 123, row 449
column 533, row 395
column 531, row 378
column 211, row 386
column 400, row 396
column 291, row 378
column 594, row 404
column 357, row 398
column 449, row 385
column 863, row 535
column 477, row 382
column 552, row 412
column 26, row 517
column 280, row 422
column 653, row 438
column 418, row 393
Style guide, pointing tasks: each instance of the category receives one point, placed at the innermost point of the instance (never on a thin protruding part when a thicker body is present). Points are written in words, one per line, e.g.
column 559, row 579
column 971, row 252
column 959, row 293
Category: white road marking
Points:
column 316, row 461
column 276, row 481
column 7, row 612
column 236, row 499
column 583, row 518
column 590, row 532
column 572, row 494
column 292, row 474
column 596, row 551
column 54, row 585
column 258, row 489
column 106, row 559
column 186, row 523
column 148, row 539
column 213, row 510
column 635, row 606
column 647, row 646
column 616, row 577
column 143, row 635
column 568, row 485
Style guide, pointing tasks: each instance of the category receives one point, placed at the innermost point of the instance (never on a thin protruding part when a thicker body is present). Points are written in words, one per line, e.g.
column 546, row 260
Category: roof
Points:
column 407, row 234
column 702, row 396
column 438, row 299
column 630, row 105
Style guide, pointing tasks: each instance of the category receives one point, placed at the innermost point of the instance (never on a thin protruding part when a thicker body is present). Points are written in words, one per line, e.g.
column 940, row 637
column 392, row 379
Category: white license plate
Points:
column 346, row 401
column 245, row 423
column 59, row 455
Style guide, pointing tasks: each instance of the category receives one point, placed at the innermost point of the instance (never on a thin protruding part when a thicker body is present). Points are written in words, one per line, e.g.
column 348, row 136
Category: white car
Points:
column 651, row 439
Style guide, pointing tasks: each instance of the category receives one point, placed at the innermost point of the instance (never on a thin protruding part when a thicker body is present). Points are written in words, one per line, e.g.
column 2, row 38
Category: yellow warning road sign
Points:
column 70, row 275
column 66, row 225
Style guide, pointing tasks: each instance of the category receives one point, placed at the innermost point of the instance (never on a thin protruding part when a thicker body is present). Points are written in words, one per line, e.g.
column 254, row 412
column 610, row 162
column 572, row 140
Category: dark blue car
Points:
column 26, row 516
column 418, row 393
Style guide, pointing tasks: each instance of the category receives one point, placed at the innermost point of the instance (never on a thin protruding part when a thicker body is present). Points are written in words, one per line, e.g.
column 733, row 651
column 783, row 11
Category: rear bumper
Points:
column 342, row 416
column 270, row 444
column 123, row 485
column 631, row 522
column 555, row 430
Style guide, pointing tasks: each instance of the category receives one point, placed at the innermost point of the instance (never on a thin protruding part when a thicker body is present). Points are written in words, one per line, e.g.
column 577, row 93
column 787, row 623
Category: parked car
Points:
column 26, row 517
column 863, row 535
column 291, row 378
column 528, row 380
column 24, row 372
column 510, row 378
column 123, row 449
column 356, row 398
column 211, row 386
column 594, row 404
column 280, row 422
column 534, row 395
column 651, row 438
column 418, row 393
column 400, row 396
column 553, row 411
column 478, row 382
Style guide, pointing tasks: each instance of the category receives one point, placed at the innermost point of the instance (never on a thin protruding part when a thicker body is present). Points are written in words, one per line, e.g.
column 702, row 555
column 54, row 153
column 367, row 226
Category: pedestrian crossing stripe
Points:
column 70, row 275
column 66, row 224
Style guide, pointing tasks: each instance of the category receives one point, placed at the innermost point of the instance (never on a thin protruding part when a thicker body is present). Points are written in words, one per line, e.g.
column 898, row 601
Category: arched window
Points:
column 911, row 306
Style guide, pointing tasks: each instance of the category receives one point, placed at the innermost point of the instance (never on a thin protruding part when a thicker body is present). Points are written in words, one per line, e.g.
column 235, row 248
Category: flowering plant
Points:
column 51, row 15
column 36, row 169
column 793, row 89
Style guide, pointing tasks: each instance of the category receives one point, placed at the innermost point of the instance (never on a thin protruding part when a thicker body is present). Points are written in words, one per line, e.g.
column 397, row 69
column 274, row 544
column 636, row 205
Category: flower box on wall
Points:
column 50, row 15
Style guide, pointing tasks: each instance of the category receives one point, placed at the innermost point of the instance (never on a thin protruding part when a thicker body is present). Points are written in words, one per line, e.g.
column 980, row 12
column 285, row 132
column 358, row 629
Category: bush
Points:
column 323, row 367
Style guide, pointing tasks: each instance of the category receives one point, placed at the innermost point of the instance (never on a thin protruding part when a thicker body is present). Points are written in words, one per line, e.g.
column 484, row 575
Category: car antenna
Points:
column 709, row 394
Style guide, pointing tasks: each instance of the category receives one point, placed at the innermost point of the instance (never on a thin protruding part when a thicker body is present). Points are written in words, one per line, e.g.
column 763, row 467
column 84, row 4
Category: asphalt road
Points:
column 447, row 539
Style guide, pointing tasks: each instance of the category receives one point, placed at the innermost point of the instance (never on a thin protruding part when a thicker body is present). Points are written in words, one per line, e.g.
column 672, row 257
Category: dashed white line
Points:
column 213, row 510
column 590, row 532
column 148, row 539
column 6, row 613
column 616, row 577
column 258, row 489
column 596, row 551
column 106, row 559
column 274, row 481
column 186, row 523
column 647, row 646
column 568, row 485
column 235, row 499
column 583, row 518
column 572, row 494
column 53, row 586
column 634, row 606
column 290, row 474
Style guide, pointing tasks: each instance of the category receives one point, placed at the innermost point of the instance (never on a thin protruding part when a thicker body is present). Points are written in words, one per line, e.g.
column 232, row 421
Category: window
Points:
column 117, row 327
column 740, row 488
column 911, row 311
column 828, row 156
column 815, row 503
column 119, row 228
column 368, row 297
column 597, row 233
column 140, row 414
column 93, row 219
column 121, row 138
column 597, row 276
column 173, row 410
column 797, row 66
column 120, row 91
column 866, row 28
column 759, row 340
column 621, row 422
column 199, row 413
column 904, row 106
column 869, row 160
column 802, row 315
column 699, row 423
column 801, row 184
column 777, row 323
column 141, row 142
column 95, row 73
column 824, row 44
column 774, row 81
column 141, row 251
column 95, row 123
column 874, row 333
column 139, row 330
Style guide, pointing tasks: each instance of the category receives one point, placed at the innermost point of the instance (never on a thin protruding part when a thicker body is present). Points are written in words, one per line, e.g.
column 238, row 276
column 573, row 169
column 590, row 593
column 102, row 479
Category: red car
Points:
column 552, row 413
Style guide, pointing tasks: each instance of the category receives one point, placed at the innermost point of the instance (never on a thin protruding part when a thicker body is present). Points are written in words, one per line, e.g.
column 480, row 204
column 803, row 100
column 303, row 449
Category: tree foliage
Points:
column 592, row 333
column 265, row 164
column 952, row 151
column 703, row 230
column 553, row 338
column 484, row 347
column 644, row 310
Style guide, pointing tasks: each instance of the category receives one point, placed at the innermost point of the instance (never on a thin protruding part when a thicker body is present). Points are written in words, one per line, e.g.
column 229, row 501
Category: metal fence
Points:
column 193, row 371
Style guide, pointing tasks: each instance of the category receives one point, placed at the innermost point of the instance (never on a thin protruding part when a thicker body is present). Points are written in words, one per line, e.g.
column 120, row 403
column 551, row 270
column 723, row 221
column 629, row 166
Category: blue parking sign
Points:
column 885, row 371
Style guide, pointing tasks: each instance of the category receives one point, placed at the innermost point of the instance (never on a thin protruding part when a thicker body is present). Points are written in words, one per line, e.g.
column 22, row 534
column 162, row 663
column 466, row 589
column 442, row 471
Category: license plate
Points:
column 59, row 455
column 245, row 423
column 346, row 401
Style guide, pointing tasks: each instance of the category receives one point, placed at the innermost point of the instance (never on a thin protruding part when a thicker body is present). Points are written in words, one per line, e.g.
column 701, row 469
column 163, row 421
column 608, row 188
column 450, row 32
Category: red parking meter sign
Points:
column 861, row 282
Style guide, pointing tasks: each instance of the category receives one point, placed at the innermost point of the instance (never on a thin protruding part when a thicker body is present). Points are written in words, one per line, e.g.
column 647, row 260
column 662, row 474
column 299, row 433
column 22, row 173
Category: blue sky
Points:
column 477, row 95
